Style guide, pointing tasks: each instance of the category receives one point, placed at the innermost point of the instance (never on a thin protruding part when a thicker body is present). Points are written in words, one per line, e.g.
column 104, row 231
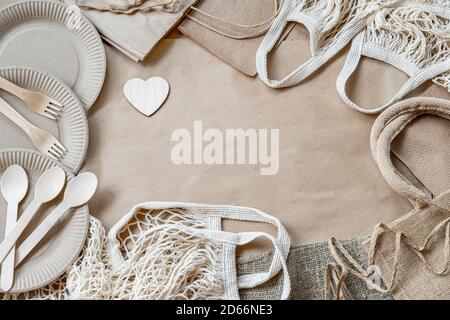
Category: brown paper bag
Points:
column 412, row 253
column 327, row 182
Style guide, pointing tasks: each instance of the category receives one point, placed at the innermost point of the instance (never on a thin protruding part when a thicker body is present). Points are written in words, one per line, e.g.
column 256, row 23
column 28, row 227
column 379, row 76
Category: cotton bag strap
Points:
column 290, row 13
column 388, row 126
column 230, row 29
column 417, row 76
column 231, row 240
column 215, row 215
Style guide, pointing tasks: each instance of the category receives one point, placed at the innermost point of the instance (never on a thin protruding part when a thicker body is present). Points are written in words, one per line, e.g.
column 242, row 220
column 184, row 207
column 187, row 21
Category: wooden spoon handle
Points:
column 39, row 233
column 12, row 236
column 7, row 272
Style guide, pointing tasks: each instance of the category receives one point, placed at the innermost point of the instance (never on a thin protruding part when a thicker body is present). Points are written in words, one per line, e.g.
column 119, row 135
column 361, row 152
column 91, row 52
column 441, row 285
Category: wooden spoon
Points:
column 48, row 187
column 78, row 192
column 14, row 187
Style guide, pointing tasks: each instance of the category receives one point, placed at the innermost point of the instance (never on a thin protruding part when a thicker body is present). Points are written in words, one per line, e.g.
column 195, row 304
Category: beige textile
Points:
column 216, row 34
column 423, row 147
column 135, row 35
column 412, row 252
column 327, row 185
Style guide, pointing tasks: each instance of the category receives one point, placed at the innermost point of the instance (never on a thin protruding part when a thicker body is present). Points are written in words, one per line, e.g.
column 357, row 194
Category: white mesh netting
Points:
column 419, row 36
column 159, row 262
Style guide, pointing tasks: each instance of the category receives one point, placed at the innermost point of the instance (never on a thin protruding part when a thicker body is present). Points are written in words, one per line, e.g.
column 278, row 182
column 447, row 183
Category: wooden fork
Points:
column 44, row 141
column 36, row 101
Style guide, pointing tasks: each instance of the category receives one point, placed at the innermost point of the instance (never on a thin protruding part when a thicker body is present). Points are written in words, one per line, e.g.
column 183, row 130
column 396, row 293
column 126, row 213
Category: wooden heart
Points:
column 146, row 96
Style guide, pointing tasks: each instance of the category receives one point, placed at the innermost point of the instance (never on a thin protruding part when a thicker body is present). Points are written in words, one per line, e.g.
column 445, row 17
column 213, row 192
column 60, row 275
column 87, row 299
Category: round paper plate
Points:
column 62, row 246
column 71, row 128
column 49, row 36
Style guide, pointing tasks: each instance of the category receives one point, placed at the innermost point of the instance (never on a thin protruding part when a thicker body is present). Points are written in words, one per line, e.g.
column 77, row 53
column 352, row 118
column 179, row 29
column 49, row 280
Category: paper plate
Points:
column 51, row 37
column 71, row 128
column 62, row 246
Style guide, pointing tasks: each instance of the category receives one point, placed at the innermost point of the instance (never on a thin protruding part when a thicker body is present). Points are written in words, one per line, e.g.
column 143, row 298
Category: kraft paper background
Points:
column 327, row 185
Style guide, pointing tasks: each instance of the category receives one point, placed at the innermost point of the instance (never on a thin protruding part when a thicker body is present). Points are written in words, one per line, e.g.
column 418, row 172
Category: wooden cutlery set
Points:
column 41, row 104
column 43, row 100
column 14, row 187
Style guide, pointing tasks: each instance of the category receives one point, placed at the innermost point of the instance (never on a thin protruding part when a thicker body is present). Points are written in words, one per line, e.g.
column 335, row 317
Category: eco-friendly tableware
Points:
column 146, row 96
column 78, row 192
column 70, row 128
column 36, row 101
column 62, row 246
column 58, row 39
column 43, row 140
column 14, row 185
column 48, row 187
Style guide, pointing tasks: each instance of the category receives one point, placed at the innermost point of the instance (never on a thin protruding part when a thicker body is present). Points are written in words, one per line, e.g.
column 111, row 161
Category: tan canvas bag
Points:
column 411, row 254
column 232, row 29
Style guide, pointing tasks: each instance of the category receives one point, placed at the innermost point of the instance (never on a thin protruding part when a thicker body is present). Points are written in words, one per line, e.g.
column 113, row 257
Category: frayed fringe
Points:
column 417, row 36
column 338, row 16
column 337, row 272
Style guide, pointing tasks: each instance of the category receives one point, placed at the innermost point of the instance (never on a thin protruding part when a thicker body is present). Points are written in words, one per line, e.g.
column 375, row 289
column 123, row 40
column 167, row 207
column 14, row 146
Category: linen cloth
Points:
column 423, row 147
column 135, row 35
column 306, row 265
column 412, row 252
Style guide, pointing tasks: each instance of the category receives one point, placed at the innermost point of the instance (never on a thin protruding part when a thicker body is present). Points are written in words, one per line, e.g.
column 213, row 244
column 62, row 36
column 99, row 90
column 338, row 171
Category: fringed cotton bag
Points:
column 332, row 24
column 168, row 251
column 411, row 254
column 413, row 36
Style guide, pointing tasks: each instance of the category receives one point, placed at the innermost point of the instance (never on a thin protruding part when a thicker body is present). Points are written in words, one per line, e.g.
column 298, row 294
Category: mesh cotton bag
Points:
column 411, row 254
column 413, row 36
column 332, row 24
column 168, row 251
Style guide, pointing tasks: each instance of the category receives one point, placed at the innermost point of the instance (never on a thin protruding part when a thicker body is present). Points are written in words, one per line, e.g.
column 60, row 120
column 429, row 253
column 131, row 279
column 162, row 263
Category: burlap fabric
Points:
column 306, row 265
column 413, row 251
